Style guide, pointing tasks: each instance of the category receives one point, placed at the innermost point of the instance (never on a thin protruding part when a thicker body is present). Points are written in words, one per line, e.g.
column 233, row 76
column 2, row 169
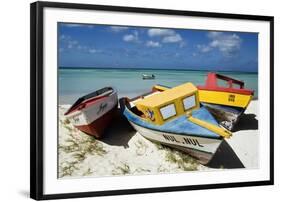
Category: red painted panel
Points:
column 212, row 85
column 97, row 127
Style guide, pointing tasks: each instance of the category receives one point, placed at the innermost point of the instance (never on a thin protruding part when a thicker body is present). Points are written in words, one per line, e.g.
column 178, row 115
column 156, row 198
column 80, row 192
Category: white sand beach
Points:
column 123, row 151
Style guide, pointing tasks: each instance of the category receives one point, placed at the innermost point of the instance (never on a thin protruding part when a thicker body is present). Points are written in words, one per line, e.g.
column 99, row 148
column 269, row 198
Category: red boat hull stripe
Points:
column 97, row 127
column 228, row 90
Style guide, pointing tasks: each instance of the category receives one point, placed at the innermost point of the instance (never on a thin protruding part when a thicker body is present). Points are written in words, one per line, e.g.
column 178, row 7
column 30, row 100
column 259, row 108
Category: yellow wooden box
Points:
column 153, row 104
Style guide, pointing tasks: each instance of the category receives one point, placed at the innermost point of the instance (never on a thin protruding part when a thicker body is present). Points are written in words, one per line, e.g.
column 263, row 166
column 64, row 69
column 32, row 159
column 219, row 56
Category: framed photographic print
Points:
column 134, row 100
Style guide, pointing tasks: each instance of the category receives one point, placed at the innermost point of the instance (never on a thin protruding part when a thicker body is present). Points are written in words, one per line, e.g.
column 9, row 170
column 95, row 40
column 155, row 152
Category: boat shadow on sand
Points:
column 225, row 157
column 247, row 122
column 119, row 132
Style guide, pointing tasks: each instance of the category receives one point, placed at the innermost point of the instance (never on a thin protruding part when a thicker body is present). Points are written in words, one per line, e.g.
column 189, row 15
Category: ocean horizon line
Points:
column 176, row 69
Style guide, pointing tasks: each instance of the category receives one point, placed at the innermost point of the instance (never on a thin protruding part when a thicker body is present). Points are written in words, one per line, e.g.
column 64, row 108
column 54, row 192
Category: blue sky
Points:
column 84, row 45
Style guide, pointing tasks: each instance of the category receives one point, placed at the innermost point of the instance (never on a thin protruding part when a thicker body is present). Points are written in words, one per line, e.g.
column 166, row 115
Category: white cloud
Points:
column 131, row 37
column 64, row 37
column 153, row 44
column 118, row 28
column 167, row 35
column 67, row 42
column 182, row 44
column 228, row 44
column 72, row 44
column 214, row 34
column 93, row 50
column 72, row 25
column 172, row 39
column 90, row 26
column 80, row 47
column 77, row 25
column 204, row 48
column 160, row 32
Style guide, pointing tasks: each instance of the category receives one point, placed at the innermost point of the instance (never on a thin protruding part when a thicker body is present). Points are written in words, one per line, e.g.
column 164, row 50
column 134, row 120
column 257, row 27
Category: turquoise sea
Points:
column 76, row 82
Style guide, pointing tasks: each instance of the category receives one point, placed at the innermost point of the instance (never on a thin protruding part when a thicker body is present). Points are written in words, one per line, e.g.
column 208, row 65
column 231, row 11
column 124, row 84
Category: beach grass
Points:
column 182, row 160
column 76, row 148
column 122, row 169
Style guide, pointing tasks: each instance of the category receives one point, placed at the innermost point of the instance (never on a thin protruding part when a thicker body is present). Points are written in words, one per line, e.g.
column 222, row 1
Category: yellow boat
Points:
column 227, row 103
column 174, row 117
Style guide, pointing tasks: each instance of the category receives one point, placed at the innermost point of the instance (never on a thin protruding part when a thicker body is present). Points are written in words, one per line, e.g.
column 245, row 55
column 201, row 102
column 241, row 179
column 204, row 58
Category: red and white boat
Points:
column 92, row 113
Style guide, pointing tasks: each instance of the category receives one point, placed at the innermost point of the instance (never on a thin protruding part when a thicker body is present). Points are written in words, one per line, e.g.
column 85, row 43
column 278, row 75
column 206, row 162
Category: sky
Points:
column 105, row 46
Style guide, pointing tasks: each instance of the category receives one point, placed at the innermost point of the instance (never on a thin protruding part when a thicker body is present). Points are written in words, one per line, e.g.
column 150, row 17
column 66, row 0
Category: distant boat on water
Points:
column 146, row 76
column 92, row 113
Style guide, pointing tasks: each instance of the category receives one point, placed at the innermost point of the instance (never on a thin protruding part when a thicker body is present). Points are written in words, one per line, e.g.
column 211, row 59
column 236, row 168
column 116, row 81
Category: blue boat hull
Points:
column 179, row 133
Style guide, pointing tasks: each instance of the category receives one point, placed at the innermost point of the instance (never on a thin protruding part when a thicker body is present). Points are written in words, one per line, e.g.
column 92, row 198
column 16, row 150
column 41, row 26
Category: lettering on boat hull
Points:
column 208, row 145
column 191, row 141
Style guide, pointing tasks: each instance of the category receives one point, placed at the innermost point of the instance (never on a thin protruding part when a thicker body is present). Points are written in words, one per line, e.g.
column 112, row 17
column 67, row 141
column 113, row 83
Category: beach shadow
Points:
column 119, row 132
column 247, row 122
column 225, row 157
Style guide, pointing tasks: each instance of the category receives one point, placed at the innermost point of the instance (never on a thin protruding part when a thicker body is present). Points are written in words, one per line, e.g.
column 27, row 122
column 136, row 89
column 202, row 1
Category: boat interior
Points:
column 130, row 103
column 161, row 105
column 99, row 93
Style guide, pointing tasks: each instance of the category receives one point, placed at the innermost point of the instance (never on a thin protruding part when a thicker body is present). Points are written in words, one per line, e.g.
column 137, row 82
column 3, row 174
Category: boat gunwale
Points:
column 211, row 84
column 90, row 101
column 227, row 90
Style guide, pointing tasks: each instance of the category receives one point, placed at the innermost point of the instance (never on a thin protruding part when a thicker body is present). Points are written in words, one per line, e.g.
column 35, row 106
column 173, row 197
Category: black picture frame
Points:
column 37, row 102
